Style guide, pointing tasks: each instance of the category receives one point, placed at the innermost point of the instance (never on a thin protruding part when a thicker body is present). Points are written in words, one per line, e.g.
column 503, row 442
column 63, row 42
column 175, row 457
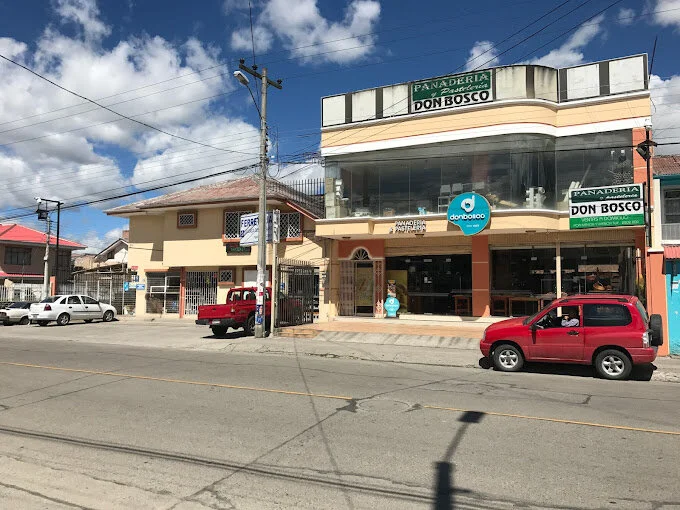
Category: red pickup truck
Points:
column 239, row 311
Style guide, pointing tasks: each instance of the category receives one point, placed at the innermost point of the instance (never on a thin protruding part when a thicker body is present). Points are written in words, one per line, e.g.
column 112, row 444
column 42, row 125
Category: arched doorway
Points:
column 361, row 285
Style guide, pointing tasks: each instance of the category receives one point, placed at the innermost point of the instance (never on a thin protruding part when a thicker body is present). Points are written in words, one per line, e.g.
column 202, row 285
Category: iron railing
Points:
column 309, row 193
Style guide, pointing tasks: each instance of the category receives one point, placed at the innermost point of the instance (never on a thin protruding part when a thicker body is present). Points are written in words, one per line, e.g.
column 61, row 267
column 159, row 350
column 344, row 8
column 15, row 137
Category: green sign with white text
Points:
column 608, row 206
column 451, row 91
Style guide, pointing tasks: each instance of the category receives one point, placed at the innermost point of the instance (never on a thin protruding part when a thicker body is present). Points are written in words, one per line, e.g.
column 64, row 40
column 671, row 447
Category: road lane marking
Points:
column 178, row 381
column 335, row 397
column 557, row 420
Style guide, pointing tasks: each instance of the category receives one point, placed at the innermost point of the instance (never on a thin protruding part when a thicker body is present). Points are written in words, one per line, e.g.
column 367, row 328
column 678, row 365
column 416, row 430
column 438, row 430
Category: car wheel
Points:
column 250, row 326
column 24, row 321
column 43, row 323
column 508, row 358
column 613, row 364
column 63, row 319
column 219, row 331
column 108, row 316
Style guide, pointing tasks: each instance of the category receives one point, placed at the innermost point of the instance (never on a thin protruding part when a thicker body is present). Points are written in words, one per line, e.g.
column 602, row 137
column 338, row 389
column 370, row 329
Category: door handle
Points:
column 572, row 333
column 71, row 307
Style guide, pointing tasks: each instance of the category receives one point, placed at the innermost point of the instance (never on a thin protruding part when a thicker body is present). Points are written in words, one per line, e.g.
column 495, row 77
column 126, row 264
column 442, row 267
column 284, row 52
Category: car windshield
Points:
column 19, row 304
column 50, row 299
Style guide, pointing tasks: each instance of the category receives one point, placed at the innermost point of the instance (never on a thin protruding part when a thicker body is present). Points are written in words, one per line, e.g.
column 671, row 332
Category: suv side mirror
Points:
column 533, row 327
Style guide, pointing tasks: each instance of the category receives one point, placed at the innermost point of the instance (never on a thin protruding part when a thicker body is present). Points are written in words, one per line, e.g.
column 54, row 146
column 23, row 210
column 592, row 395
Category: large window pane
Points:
column 425, row 182
column 529, row 272
column 598, row 269
column 394, row 189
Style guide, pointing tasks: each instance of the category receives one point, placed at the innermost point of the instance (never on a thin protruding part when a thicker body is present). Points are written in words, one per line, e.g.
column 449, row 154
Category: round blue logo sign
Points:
column 471, row 212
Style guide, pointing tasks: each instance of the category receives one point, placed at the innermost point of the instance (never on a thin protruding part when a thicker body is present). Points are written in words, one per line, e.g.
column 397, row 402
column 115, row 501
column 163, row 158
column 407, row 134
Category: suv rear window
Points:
column 642, row 311
column 603, row 315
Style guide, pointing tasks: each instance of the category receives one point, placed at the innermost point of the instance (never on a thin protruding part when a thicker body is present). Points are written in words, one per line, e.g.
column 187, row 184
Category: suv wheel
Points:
column 613, row 364
column 508, row 358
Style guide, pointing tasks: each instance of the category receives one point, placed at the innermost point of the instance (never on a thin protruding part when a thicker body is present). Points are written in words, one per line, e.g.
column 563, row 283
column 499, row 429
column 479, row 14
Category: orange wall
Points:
column 375, row 247
column 481, row 276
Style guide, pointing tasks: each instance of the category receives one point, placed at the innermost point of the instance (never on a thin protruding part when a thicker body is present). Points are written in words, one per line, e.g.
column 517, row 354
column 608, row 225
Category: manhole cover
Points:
column 384, row 406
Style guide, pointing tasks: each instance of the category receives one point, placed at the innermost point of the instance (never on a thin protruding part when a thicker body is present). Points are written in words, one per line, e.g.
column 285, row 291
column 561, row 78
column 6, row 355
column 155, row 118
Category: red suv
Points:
column 611, row 332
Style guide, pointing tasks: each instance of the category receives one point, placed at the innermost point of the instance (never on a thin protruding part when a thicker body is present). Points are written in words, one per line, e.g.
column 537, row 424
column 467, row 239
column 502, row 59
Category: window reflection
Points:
column 511, row 171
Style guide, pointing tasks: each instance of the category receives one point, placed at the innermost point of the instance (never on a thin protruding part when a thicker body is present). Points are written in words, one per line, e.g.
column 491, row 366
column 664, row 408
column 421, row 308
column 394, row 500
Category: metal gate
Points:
column 162, row 292
column 298, row 293
column 201, row 289
column 104, row 287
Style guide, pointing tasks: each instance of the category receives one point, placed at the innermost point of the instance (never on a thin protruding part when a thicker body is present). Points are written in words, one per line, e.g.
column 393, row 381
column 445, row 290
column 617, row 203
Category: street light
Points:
column 262, row 212
column 43, row 215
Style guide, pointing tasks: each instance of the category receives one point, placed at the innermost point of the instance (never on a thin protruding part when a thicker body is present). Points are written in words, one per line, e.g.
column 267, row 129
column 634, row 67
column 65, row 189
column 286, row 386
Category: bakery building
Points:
column 456, row 191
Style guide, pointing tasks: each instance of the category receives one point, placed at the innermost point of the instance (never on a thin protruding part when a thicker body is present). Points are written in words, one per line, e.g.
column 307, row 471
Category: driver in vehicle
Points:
column 570, row 320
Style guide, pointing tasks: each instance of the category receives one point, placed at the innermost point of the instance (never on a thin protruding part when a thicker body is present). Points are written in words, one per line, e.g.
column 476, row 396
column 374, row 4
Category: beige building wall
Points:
column 157, row 244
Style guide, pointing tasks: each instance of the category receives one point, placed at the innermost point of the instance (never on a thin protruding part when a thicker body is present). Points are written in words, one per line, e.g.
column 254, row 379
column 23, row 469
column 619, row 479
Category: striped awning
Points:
column 671, row 252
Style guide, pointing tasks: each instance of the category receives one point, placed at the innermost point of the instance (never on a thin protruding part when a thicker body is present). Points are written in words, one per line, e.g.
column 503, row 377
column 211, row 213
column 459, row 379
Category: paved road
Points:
column 104, row 426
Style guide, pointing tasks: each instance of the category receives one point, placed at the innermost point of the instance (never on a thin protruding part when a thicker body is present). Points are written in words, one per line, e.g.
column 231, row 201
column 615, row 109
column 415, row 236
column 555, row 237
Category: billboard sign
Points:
column 608, row 206
column 249, row 232
column 451, row 91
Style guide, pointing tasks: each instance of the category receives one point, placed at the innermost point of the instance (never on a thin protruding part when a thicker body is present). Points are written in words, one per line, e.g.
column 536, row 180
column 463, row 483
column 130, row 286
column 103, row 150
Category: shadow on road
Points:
column 639, row 373
column 444, row 495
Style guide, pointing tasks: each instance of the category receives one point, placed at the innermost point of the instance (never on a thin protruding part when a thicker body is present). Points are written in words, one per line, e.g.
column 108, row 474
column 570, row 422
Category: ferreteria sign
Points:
column 610, row 206
column 451, row 91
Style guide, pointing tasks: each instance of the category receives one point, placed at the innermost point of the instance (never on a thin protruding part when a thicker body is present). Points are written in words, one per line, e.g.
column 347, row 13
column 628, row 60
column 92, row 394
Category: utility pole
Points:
column 46, row 275
column 262, row 218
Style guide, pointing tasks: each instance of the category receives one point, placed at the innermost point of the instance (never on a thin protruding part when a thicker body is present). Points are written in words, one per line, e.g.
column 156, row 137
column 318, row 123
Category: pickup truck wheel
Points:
column 219, row 331
column 508, row 358
column 250, row 326
column 613, row 364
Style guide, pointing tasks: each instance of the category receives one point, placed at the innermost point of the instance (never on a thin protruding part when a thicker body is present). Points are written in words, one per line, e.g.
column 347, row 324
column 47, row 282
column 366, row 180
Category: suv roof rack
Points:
column 581, row 298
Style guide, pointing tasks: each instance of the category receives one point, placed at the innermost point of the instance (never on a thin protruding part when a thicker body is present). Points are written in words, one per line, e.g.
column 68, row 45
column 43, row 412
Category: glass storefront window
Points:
column 432, row 284
column 529, row 272
column 511, row 171
column 593, row 269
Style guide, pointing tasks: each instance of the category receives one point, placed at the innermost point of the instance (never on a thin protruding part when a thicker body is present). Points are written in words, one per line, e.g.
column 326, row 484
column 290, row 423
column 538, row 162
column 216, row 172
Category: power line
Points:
column 141, row 123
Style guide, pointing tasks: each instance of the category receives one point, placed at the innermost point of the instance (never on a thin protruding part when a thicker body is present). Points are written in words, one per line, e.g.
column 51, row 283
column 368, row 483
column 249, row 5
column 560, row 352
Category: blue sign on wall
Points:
column 471, row 212
column 126, row 286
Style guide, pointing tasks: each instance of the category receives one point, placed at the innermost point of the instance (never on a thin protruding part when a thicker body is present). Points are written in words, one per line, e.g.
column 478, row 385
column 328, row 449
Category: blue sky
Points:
column 170, row 63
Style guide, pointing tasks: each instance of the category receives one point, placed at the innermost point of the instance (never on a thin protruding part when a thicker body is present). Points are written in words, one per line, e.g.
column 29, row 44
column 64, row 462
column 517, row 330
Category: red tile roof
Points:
column 666, row 165
column 247, row 188
column 15, row 233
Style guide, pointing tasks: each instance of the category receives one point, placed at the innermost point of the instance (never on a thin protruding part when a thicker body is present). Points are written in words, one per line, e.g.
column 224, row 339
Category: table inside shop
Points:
column 458, row 302
column 513, row 304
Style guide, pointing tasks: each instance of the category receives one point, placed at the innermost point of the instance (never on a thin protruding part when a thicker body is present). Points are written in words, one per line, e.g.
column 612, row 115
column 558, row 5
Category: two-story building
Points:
column 518, row 143
column 667, row 175
column 22, row 258
column 185, row 246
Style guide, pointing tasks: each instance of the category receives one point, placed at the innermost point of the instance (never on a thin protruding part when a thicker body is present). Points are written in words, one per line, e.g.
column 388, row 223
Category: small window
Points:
column 17, row 256
column 249, row 295
column 235, row 296
column 73, row 300
column 186, row 219
column 110, row 255
column 232, row 224
column 226, row 275
column 603, row 315
column 89, row 301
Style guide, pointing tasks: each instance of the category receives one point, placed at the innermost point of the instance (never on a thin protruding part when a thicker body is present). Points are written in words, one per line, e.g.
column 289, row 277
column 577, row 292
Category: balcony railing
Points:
column 670, row 231
column 308, row 193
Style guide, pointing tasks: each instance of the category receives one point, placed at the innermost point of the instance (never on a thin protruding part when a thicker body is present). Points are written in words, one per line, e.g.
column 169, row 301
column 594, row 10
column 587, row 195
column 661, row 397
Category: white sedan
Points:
column 64, row 309
column 16, row 313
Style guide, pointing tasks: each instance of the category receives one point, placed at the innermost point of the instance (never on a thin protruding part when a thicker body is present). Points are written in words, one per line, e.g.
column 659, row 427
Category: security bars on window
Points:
column 226, row 275
column 186, row 220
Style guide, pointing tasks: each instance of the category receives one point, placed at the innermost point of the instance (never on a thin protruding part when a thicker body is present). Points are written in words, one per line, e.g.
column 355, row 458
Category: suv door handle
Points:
column 572, row 332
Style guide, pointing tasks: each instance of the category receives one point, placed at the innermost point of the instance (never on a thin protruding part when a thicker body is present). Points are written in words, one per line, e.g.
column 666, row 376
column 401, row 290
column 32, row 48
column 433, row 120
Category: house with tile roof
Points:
column 22, row 253
column 185, row 246
column 667, row 177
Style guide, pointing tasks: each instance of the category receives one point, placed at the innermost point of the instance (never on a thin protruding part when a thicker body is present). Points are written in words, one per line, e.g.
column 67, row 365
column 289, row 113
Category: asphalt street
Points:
column 86, row 425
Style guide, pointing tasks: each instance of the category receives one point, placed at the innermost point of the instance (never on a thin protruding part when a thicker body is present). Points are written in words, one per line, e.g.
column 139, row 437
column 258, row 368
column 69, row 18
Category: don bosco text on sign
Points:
column 609, row 206
column 451, row 91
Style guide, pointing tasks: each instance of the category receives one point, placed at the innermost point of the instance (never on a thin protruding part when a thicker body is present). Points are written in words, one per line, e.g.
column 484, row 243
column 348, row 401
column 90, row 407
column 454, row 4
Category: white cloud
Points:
column 96, row 242
column 76, row 164
column 241, row 39
column 667, row 13
column 665, row 112
column 229, row 6
column 571, row 52
column 312, row 37
column 290, row 172
column 626, row 16
column 482, row 55
column 85, row 14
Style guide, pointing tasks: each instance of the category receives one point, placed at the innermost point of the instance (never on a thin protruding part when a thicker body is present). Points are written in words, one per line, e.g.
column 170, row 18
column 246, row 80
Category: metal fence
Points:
column 104, row 287
column 298, row 293
column 308, row 193
column 201, row 289
column 22, row 292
